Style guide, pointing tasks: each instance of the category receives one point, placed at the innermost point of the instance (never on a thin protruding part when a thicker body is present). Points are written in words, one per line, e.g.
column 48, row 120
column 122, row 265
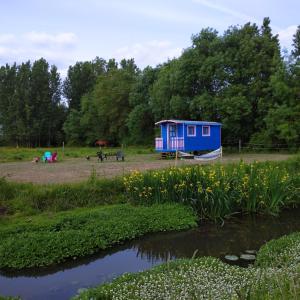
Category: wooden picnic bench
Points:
column 119, row 155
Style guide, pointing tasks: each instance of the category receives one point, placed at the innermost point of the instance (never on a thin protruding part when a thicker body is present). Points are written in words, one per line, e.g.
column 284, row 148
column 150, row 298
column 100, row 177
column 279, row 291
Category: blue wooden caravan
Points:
column 188, row 136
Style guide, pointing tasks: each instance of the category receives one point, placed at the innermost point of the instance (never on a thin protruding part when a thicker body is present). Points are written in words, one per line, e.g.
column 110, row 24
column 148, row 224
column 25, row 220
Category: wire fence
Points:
column 239, row 146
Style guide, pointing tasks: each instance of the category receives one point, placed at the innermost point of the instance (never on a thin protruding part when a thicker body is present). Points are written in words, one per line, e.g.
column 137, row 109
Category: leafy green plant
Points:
column 48, row 239
column 217, row 191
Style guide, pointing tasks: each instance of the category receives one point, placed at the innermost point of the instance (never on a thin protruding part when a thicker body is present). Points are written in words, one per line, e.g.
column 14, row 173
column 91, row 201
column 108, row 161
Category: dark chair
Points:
column 120, row 155
column 100, row 155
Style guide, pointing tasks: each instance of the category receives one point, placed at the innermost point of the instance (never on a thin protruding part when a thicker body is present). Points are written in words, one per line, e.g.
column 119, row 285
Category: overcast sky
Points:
column 151, row 31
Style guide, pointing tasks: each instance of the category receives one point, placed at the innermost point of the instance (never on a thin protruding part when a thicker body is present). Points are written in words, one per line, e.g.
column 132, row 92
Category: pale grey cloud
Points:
column 149, row 53
column 7, row 38
column 42, row 38
column 58, row 49
column 286, row 36
column 232, row 12
column 163, row 12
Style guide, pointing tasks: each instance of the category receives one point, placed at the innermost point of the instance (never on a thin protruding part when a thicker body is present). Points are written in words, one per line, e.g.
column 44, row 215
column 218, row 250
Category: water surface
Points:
column 234, row 237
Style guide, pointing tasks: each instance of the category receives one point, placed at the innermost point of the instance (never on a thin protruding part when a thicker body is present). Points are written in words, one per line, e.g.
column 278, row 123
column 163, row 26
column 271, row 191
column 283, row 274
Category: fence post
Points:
column 240, row 145
column 176, row 157
column 63, row 149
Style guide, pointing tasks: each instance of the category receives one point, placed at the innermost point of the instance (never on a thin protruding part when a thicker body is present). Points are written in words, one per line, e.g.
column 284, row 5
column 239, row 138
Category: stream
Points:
column 235, row 237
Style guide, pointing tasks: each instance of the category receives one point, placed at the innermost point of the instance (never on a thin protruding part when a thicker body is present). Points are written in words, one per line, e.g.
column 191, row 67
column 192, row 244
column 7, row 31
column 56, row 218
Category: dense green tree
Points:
column 81, row 79
column 162, row 90
column 140, row 119
column 296, row 43
column 239, row 78
column 252, row 55
column 73, row 129
column 31, row 113
column 111, row 98
column 7, row 96
column 23, row 105
column 104, row 110
column 282, row 120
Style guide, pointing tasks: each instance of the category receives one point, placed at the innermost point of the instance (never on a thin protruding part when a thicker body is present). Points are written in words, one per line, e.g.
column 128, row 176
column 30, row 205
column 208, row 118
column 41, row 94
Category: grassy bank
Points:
column 28, row 199
column 216, row 191
column 209, row 278
column 10, row 154
column 51, row 238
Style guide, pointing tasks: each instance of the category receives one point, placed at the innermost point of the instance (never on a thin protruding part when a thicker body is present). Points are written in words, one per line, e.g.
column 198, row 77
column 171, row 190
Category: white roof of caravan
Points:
column 188, row 122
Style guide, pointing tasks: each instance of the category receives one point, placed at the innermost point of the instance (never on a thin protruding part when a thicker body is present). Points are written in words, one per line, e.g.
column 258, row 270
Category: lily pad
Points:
column 231, row 257
column 247, row 256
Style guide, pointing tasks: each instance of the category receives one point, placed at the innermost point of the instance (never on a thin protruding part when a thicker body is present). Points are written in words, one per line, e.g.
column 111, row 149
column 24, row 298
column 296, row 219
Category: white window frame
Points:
column 208, row 134
column 175, row 131
column 187, row 130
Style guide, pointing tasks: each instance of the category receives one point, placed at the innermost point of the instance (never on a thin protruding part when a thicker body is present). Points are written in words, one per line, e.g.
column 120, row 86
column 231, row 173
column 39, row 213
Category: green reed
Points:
column 216, row 191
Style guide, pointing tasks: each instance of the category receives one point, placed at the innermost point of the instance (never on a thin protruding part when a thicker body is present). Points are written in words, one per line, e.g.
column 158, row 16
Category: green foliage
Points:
column 49, row 239
column 31, row 111
column 140, row 119
column 103, row 110
column 27, row 199
column 217, row 191
column 280, row 252
column 72, row 128
column 296, row 43
column 282, row 125
column 140, row 125
column 81, row 80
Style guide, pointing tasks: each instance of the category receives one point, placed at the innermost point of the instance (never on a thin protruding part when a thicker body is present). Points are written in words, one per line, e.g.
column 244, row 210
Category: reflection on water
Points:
column 62, row 282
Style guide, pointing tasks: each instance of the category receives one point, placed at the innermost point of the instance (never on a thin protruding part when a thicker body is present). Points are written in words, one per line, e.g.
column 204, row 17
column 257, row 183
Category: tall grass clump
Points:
column 27, row 198
column 216, row 191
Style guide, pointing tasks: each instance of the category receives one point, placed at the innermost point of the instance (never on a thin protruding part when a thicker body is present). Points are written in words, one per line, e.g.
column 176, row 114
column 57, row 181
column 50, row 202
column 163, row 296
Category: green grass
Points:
column 207, row 278
column 214, row 191
column 29, row 199
column 217, row 191
column 52, row 238
column 10, row 154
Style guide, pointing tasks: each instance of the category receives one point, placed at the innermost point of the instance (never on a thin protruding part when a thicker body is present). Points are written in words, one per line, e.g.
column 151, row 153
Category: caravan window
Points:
column 205, row 130
column 191, row 130
column 172, row 130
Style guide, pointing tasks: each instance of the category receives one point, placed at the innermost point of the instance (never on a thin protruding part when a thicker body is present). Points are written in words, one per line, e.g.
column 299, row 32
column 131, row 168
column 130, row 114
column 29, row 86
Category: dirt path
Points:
column 79, row 169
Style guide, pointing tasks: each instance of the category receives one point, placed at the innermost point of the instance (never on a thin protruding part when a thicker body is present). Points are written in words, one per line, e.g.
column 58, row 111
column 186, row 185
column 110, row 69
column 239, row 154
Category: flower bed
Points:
column 216, row 191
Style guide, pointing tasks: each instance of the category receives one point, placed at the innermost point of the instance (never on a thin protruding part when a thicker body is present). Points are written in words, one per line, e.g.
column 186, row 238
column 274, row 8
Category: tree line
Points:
column 239, row 78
